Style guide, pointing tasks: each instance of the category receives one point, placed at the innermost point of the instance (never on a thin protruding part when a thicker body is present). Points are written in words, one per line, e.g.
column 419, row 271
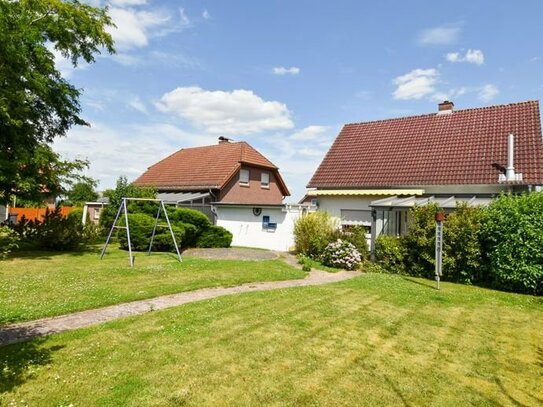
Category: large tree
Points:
column 36, row 103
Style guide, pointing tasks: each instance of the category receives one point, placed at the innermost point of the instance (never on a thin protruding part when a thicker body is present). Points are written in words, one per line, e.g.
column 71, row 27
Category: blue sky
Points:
column 286, row 75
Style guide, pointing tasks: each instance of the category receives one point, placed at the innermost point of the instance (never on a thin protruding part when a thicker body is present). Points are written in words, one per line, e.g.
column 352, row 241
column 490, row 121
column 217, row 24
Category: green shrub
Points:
column 419, row 242
column 163, row 241
column 192, row 216
column 357, row 237
column 313, row 232
column 512, row 240
column 191, row 234
column 390, row 253
column 141, row 229
column 9, row 240
column 462, row 253
column 214, row 236
column 341, row 254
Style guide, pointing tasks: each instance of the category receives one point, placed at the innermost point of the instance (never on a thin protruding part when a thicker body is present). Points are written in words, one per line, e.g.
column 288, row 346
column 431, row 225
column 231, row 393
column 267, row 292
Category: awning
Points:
column 357, row 192
column 180, row 197
column 447, row 202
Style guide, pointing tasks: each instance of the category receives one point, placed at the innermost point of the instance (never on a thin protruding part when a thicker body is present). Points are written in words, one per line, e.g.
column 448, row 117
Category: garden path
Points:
column 27, row 330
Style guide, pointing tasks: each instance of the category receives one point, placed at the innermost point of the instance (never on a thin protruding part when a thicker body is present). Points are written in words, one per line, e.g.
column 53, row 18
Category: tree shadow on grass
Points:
column 18, row 360
column 426, row 283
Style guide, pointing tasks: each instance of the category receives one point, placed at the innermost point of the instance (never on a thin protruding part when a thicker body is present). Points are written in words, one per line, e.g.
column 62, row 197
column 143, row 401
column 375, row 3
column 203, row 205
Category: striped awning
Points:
column 446, row 202
column 358, row 192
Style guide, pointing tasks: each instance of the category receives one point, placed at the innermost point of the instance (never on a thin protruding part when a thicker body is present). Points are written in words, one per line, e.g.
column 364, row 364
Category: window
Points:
column 265, row 179
column 97, row 212
column 244, row 177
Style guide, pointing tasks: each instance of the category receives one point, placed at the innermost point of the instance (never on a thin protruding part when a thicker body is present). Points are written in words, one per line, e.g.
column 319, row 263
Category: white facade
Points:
column 350, row 210
column 265, row 227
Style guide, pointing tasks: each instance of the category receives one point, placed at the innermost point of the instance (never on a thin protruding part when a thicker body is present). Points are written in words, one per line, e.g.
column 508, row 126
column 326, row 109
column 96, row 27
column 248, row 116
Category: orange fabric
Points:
column 36, row 213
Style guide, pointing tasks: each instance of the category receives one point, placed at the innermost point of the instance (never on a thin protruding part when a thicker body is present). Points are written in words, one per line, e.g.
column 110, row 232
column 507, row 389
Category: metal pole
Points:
column 171, row 230
column 154, row 230
column 439, row 247
column 111, row 231
column 128, row 233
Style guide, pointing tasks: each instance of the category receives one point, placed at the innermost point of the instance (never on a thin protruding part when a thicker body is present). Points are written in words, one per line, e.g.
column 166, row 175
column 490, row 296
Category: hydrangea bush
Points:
column 341, row 254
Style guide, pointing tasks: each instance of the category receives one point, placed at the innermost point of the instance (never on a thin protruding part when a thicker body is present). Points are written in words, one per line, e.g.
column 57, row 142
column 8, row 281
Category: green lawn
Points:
column 40, row 284
column 376, row 340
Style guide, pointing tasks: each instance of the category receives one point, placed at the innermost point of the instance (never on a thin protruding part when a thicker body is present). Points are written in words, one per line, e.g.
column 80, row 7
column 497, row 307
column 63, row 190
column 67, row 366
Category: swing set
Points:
column 124, row 208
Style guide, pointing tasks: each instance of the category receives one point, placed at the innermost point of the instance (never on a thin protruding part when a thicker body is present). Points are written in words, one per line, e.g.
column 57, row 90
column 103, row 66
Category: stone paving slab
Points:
column 27, row 330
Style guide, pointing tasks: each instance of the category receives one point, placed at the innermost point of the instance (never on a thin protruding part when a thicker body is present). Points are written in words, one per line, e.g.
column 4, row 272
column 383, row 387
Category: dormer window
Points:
column 244, row 177
column 265, row 179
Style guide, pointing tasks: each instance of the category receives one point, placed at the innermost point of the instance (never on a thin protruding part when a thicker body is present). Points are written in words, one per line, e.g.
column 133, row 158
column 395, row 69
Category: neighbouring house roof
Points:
column 208, row 167
column 462, row 147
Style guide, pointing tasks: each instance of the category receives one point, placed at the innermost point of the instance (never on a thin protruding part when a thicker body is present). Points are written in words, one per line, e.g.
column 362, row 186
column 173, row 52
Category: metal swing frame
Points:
column 124, row 208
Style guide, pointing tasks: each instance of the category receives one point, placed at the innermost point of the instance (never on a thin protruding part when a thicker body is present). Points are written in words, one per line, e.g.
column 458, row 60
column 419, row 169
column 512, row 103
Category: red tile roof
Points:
column 204, row 167
column 463, row 147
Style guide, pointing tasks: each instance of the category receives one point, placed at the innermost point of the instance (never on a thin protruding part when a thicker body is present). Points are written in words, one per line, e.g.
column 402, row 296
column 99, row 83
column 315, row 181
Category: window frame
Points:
column 244, row 171
column 262, row 184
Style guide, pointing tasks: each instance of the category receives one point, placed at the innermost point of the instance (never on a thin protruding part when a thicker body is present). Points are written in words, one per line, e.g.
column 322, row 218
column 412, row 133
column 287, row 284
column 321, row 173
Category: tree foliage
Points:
column 36, row 103
column 82, row 191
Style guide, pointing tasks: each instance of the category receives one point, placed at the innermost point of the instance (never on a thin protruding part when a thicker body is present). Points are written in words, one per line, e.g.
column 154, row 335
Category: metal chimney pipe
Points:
column 510, row 170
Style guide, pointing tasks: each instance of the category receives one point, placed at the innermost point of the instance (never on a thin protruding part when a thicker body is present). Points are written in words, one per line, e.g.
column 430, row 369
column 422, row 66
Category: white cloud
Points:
column 416, row 84
column 444, row 34
column 206, row 15
column 309, row 133
column 453, row 57
column 488, row 92
column 137, row 104
column 184, row 18
column 112, row 153
column 134, row 27
column 281, row 70
column 221, row 112
column 472, row 56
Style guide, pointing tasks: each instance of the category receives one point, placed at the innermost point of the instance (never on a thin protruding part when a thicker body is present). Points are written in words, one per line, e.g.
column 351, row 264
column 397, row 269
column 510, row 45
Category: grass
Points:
column 376, row 340
column 41, row 284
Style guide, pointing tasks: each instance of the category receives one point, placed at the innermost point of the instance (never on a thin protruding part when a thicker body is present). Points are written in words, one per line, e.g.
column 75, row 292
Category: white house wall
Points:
column 334, row 204
column 248, row 231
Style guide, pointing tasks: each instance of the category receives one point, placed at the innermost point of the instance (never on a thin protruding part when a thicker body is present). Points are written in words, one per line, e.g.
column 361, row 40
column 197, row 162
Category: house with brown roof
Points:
column 375, row 171
column 227, row 172
column 235, row 185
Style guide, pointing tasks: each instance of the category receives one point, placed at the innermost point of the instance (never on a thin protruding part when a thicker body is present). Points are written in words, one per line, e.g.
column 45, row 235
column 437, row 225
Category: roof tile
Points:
column 464, row 147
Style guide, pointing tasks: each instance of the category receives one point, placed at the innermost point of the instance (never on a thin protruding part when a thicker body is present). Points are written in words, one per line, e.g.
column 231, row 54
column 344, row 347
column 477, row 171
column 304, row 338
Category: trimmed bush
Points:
column 313, row 232
column 357, row 237
column 191, row 234
column 341, row 254
column 9, row 240
column 462, row 253
column 192, row 216
column 141, row 229
column 163, row 241
column 390, row 253
column 512, row 240
column 214, row 236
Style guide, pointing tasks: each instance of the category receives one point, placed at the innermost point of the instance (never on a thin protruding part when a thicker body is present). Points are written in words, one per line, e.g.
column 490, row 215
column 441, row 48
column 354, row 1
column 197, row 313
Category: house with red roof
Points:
column 375, row 171
column 235, row 185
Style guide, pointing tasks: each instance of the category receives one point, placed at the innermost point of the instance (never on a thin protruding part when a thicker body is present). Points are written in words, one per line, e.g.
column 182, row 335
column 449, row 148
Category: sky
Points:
column 285, row 76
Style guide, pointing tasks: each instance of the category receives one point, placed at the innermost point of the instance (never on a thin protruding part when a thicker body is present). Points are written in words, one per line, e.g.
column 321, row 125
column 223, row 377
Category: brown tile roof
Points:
column 204, row 167
column 464, row 147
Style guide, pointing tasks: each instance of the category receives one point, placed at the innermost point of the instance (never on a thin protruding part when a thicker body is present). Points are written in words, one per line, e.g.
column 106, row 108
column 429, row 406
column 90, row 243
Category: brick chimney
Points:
column 445, row 107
